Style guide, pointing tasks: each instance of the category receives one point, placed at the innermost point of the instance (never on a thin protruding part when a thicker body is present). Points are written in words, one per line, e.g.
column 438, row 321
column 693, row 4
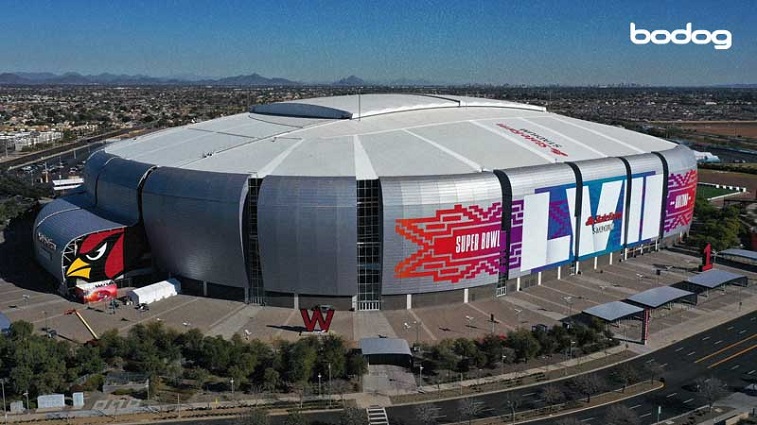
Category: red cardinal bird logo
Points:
column 100, row 257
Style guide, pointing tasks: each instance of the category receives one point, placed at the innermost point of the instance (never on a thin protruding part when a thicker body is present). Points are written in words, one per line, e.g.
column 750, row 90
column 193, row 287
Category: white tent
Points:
column 155, row 292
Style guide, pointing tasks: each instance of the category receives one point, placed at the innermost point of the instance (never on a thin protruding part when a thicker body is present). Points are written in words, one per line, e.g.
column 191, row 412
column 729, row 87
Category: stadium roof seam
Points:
column 254, row 117
column 584, row 145
column 604, row 136
column 474, row 165
column 363, row 167
column 515, row 141
column 276, row 162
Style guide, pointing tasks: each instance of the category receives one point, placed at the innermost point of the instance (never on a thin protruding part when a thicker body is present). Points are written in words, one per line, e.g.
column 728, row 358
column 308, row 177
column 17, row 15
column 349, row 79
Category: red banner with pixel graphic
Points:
column 455, row 244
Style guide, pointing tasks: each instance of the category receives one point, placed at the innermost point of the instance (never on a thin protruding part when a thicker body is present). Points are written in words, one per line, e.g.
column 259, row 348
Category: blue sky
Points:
column 515, row 42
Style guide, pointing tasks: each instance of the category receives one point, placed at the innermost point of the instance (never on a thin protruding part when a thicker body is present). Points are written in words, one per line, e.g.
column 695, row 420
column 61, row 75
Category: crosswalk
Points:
column 377, row 416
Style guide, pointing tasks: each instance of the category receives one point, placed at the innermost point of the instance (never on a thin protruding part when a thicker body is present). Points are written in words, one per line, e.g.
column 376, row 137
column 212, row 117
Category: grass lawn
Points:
column 711, row 192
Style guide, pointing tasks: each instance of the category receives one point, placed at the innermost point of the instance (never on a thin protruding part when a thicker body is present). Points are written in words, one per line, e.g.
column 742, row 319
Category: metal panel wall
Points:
column 95, row 163
column 441, row 233
column 193, row 221
column 682, row 189
column 644, row 210
column 118, row 189
column 601, row 206
column 307, row 228
column 541, row 227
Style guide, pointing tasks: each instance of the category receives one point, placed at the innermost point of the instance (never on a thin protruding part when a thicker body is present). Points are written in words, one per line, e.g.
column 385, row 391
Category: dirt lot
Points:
column 732, row 179
column 747, row 129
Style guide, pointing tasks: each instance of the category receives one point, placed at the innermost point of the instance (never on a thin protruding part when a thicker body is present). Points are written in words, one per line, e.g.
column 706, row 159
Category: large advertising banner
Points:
column 100, row 256
column 601, row 224
column 542, row 230
column 679, row 207
column 645, row 208
column 456, row 243
column 442, row 233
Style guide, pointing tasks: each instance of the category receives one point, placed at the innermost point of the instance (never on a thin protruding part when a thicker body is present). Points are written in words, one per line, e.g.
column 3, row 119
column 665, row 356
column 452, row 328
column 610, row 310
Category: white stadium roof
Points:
column 383, row 135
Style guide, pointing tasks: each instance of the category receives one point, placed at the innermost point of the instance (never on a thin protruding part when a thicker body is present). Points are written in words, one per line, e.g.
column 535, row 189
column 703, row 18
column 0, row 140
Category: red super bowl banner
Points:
column 455, row 244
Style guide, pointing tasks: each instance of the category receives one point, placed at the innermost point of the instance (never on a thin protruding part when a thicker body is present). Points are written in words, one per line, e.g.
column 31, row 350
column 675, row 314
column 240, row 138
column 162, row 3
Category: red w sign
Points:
column 317, row 317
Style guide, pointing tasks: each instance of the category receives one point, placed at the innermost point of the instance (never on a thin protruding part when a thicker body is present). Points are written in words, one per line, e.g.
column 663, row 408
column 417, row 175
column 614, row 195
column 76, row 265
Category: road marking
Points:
column 688, row 401
column 650, row 360
column 691, row 354
column 732, row 356
column 645, row 415
column 528, row 394
column 729, row 328
column 720, row 341
column 664, row 365
column 725, row 348
column 671, row 395
column 705, row 338
column 736, row 367
column 587, row 419
column 751, row 371
column 636, row 407
column 679, row 349
column 742, row 331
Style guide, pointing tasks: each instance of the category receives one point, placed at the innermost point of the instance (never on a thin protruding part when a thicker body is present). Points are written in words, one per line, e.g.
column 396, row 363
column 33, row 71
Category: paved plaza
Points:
column 547, row 304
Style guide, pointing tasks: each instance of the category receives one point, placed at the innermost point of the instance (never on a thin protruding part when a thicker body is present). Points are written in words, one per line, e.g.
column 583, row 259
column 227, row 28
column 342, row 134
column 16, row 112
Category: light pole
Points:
column 329, row 384
column 5, row 411
column 319, row 385
column 26, row 393
column 420, row 377
column 569, row 301
column 504, row 357
column 232, row 387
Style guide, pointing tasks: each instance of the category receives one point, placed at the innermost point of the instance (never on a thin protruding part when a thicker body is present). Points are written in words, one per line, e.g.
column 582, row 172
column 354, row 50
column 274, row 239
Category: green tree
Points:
column 270, row 379
column 356, row 364
column 523, row 342
column 88, row 360
column 21, row 330
column 300, row 360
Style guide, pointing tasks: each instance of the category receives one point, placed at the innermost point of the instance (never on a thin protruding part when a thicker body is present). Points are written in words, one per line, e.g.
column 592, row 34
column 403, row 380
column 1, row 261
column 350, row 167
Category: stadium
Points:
column 367, row 202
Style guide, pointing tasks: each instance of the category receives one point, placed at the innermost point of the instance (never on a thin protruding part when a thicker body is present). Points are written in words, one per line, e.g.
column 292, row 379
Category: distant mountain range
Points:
column 73, row 78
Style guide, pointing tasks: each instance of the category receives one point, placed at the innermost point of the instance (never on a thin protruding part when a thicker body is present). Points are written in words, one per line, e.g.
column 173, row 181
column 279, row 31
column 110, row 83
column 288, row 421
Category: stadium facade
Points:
column 368, row 202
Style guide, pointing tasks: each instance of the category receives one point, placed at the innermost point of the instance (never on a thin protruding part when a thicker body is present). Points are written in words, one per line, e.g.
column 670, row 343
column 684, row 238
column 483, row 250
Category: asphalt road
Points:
column 728, row 352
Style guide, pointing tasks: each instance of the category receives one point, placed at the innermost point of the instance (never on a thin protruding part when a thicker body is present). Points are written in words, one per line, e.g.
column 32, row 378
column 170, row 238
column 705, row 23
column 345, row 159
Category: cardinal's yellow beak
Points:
column 79, row 268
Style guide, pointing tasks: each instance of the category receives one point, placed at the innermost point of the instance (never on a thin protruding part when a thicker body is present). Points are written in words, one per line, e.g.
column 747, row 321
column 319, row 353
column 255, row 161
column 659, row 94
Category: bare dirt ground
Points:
column 746, row 129
column 743, row 129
